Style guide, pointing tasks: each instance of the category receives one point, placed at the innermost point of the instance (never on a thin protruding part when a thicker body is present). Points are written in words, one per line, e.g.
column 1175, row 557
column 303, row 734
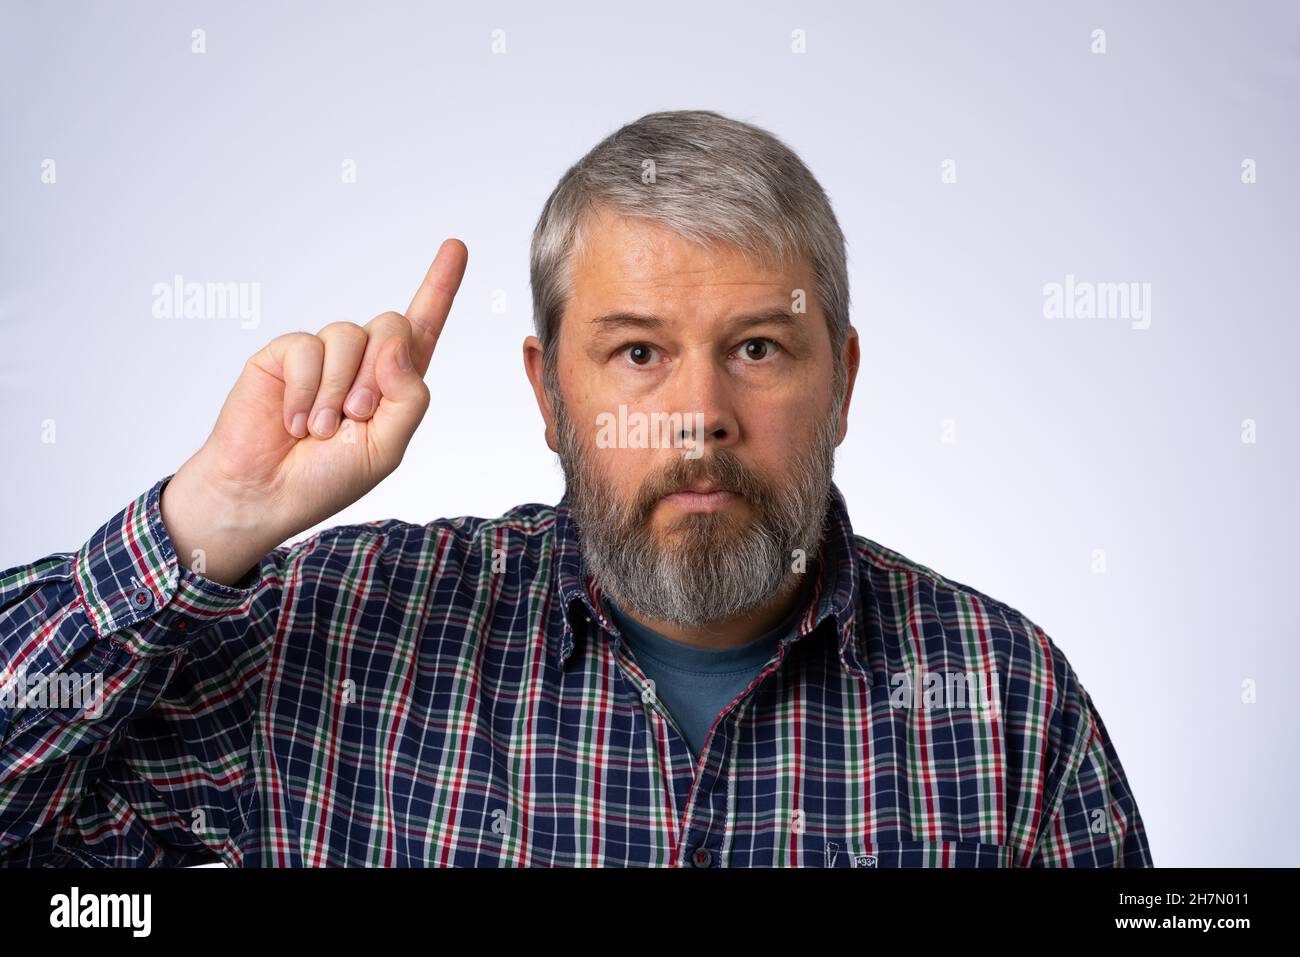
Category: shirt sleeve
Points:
column 1093, row 821
column 127, row 700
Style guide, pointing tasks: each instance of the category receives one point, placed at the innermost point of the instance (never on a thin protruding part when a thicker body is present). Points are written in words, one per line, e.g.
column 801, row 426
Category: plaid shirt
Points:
column 454, row 694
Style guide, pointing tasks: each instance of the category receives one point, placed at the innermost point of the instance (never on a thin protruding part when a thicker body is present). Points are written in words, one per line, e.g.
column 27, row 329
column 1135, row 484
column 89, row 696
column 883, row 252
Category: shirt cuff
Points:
column 127, row 572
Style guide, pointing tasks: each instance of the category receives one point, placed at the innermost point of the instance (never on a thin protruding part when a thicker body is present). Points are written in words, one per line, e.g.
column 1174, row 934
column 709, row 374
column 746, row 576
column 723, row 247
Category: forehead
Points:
column 630, row 263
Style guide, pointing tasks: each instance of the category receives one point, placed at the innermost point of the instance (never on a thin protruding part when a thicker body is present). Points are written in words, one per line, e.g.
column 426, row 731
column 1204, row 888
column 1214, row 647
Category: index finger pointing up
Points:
column 428, row 309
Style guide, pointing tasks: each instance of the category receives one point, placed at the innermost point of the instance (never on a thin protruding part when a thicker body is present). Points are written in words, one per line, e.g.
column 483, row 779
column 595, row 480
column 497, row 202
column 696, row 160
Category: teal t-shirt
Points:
column 695, row 684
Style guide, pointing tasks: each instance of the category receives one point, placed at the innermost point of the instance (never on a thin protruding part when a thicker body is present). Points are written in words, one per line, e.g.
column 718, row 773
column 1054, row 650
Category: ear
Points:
column 852, row 356
column 533, row 366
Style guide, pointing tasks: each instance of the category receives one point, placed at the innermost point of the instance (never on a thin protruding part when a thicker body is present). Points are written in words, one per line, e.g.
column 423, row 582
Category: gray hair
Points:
column 711, row 179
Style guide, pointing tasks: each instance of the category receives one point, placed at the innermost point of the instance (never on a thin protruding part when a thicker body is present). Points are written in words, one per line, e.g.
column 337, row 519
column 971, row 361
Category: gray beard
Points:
column 714, row 566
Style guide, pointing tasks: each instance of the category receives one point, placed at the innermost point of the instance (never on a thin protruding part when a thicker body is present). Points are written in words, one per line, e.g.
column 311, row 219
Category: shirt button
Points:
column 141, row 599
column 702, row 857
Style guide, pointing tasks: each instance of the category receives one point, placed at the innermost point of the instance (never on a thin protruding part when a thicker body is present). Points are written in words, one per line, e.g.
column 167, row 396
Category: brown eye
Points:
column 757, row 349
column 640, row 355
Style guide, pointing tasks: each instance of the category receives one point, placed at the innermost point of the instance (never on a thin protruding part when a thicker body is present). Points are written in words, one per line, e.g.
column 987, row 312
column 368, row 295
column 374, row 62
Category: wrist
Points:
column 215, row 533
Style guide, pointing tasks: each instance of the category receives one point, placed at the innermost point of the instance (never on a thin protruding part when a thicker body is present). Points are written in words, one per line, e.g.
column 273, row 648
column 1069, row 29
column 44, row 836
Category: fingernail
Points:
column 326, row 421
column 299, row 426
column 403, row 357
column 361, row 402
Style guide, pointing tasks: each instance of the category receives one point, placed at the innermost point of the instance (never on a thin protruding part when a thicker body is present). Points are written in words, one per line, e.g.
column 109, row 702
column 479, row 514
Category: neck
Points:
column 728, row 632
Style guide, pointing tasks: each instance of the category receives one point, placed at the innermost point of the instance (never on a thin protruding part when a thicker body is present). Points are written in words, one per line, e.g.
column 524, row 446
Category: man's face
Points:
column 696, row 419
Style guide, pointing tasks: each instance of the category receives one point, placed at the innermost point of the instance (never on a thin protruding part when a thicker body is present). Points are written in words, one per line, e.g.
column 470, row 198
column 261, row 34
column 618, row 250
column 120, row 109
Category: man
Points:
column 692, row 660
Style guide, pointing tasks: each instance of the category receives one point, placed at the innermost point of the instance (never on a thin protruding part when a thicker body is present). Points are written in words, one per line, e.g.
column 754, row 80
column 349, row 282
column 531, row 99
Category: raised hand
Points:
column 313, row 423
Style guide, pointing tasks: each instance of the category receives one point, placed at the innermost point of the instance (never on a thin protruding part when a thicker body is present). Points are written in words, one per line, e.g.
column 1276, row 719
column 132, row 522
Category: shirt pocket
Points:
column 913, row 853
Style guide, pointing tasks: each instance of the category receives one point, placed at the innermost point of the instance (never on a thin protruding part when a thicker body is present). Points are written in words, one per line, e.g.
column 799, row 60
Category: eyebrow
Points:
column 613, row 322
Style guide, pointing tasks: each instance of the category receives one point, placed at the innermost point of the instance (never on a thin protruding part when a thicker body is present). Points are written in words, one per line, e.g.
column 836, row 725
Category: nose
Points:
column 701, row 391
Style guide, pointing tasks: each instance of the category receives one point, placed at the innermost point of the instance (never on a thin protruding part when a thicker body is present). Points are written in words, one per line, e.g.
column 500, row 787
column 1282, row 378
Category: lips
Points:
column 702, row 497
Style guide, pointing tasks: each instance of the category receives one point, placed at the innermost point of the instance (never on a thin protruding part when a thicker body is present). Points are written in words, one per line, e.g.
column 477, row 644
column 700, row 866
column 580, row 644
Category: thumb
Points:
column 403, row 397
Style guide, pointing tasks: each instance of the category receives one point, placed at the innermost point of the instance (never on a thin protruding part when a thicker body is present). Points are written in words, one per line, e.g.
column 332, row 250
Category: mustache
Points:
column 721, row 468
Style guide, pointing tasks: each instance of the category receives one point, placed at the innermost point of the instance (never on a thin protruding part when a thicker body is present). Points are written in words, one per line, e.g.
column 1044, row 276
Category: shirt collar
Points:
column 833, row 596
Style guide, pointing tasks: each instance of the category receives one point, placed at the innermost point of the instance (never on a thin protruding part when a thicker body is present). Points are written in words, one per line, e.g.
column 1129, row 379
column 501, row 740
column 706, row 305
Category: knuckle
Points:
column 304, row 345
column 297, row 340
column 388, row 324
column 348, row 333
